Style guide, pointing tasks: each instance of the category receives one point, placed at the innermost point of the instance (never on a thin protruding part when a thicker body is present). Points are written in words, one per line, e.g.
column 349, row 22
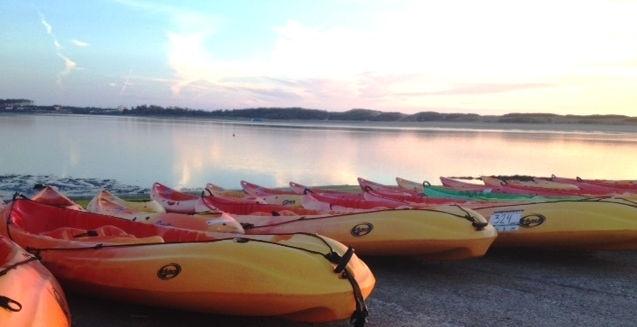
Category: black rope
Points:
column 15, row 265
column 359, row 317
column 479, row 225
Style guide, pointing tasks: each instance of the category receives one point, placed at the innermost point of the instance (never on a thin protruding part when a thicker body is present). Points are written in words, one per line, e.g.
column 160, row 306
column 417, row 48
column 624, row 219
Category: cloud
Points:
column 69, row 64
column 80, row 44
column 409, row 55
column 126, row 82
column 471, row 89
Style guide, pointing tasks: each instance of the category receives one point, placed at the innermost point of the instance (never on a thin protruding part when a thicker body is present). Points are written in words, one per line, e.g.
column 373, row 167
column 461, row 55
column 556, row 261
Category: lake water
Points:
column 189, row 153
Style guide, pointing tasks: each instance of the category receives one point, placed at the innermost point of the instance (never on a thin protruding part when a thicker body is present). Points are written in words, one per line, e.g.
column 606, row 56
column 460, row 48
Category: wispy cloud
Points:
column 69, row 64
column 126, row 82
column 79, row 43
column 472, row 89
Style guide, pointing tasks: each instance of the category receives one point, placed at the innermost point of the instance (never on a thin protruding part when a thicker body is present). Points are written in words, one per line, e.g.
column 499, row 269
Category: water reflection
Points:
column 189, row 153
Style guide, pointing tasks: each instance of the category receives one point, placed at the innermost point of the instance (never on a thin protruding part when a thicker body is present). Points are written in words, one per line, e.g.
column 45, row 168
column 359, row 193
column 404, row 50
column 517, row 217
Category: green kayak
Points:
column 435, row 191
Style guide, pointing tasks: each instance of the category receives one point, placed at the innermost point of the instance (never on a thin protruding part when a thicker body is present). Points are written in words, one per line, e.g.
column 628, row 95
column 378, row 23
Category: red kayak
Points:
column 245, row 207
column 52, row 196
column 598, row 185
column 504, row 188
column 377, row 190
column 256, row 190
column 175, row 201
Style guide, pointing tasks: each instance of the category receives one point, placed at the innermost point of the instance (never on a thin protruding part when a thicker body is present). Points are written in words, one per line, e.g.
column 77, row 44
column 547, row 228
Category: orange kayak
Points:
column 29, row 294
column 303, row 277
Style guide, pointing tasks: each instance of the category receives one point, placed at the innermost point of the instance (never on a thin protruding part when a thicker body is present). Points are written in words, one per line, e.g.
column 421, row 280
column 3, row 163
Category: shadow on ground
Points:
column 507, row 287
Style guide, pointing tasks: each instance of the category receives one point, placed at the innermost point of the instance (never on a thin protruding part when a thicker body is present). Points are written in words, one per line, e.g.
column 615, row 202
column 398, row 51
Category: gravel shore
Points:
column 505, row 288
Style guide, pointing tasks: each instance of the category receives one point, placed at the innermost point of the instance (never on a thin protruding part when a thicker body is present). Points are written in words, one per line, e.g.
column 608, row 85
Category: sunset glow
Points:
column 487, row 57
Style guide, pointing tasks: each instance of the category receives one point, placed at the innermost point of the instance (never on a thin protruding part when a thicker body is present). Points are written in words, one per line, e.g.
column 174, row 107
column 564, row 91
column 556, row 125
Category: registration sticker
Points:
column 506, row 221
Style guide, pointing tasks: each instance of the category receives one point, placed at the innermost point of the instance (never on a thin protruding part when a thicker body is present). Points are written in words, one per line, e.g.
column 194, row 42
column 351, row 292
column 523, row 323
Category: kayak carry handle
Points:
column 10, row 304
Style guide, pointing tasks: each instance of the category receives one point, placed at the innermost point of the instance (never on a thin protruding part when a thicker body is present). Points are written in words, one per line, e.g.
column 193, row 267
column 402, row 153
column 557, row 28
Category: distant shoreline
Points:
column 397, row 126
column 354, row 117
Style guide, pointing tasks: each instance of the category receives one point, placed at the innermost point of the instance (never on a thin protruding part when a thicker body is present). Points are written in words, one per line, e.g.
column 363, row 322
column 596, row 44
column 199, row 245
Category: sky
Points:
column 486, row 57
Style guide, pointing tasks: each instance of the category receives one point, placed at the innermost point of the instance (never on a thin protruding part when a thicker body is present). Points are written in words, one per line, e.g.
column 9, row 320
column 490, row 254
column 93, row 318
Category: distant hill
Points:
column 296, row 113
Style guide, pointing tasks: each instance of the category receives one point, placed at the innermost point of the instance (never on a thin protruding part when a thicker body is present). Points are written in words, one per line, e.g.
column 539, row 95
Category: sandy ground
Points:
column 507, row 287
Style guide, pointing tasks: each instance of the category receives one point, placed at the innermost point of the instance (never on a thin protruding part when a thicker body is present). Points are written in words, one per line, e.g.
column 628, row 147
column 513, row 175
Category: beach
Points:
column 507, row 287
column 510, row 287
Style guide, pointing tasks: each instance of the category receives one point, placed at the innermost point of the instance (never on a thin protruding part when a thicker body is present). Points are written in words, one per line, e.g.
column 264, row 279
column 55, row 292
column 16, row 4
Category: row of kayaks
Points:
column 284, row 252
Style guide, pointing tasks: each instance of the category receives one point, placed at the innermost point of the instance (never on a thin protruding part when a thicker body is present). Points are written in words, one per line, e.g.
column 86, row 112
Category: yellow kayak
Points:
column 609, row 224
column 442, row 233
column 299, row 276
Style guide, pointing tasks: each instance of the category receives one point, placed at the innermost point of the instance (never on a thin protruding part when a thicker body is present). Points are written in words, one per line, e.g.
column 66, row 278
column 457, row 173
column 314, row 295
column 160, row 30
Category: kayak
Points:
column 29, row 294
column 538, row 184
column 408, row 185
column 174, row 201
column 444, row 233
column 503, row 188
column 442, row 192
column 151, row 212
column 617, row 185
column 105, row 197
column 584, row 186
column 299, row 276
column 273, row 196
column 52, row 196
column 581, row 224
column 427, row 190
column 243, row 195
column 441, row 233
column 247, row 207
column 530, row 182
column 400, row 194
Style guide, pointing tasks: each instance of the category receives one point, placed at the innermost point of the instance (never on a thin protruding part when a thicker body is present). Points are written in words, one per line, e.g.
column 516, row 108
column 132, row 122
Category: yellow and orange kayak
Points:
column 29, row 294
column 299, row 276
column 441, row 233
column 596, row 224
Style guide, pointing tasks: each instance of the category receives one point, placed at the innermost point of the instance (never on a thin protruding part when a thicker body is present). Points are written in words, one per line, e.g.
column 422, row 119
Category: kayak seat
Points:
column 64, row 233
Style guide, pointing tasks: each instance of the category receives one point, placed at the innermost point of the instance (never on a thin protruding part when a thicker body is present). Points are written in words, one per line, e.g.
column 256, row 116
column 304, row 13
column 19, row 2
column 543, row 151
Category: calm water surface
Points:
column 189, row 153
